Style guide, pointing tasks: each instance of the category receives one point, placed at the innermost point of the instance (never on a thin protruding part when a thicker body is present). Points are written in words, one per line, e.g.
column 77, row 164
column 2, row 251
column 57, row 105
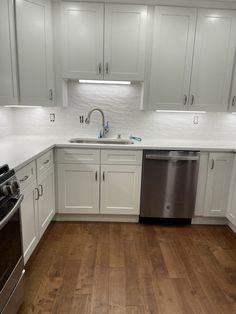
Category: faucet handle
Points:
column 106, row 127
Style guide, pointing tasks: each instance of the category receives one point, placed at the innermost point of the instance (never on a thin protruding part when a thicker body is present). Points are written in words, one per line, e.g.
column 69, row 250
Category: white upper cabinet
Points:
column 214, row 55
column 171, row 59
column 125, row 42
column 8, row 76
column 34, row 42
column 82, row 40
column 98, row 46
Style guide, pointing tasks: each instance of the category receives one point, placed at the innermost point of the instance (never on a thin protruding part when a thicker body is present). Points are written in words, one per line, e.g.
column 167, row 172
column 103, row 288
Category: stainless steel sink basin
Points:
column 101, row 141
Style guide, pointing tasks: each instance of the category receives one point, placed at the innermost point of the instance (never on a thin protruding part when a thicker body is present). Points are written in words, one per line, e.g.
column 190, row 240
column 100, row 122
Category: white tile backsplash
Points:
column 6, row 119
column 121, row 107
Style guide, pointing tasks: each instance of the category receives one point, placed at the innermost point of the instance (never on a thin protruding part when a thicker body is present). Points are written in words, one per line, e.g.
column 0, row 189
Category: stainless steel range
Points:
column 11, row 257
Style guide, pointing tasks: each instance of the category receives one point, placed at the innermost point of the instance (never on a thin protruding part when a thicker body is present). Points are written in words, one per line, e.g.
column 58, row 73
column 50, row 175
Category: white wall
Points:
column 121, row 106
column 6, row 119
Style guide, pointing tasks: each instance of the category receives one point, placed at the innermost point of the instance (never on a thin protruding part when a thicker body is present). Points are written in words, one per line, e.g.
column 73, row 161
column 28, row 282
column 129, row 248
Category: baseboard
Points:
column 96, row 218
column 232, row 227
column 209, row 221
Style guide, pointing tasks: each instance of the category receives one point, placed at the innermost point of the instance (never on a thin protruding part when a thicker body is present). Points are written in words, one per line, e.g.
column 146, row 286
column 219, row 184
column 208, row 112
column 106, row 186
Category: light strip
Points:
column 105, row 82
column 21, row 106
column 181, row 111
column 234, row 112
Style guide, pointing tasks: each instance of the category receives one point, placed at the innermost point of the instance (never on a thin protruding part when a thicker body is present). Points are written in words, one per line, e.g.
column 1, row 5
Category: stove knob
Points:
column 14, row 186
column 6, row 190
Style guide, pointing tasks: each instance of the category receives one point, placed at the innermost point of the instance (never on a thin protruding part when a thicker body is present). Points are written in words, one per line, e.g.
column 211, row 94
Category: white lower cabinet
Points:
column 38, row 206
column 78, row 188
column 29, row 221
column 109, row 184
column 120, row 189
column 231, row 209
column 218, row 183
column 46, row 201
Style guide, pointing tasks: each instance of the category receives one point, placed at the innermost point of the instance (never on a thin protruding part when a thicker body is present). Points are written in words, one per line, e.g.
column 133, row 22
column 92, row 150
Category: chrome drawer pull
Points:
column 24, row 179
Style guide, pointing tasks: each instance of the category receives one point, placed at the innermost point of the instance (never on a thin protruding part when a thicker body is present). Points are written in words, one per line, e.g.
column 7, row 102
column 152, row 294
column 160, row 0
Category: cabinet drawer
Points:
column 26, row 175
column 77, row 156
column 44, row 162
column 121, row 157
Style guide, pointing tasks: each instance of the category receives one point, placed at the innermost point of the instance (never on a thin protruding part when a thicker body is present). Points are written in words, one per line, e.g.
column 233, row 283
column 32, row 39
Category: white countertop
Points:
column 17, row 151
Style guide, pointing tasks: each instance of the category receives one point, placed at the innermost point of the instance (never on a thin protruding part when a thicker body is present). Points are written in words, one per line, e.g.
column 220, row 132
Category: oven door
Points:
column 11, row 259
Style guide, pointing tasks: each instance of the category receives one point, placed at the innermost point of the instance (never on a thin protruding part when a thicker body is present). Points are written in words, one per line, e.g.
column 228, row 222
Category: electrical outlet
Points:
column 195, row 119
column 52, row 117
column 81, row 119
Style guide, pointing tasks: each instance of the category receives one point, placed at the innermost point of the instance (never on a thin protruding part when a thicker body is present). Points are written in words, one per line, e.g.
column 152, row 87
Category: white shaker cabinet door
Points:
column 78, row 188
column 218, row 183
column 34, row 43
column 120, row 189
column 82, row 40
column 171, row 60
column 8, row 76
column 29, row 221
column 231, row 210
column 213, row 60
column 46, row 201
column 125, row 42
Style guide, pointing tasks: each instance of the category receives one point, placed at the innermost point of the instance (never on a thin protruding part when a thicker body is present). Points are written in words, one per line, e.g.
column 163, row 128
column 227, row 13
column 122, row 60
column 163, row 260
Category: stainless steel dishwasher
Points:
column 169, row 184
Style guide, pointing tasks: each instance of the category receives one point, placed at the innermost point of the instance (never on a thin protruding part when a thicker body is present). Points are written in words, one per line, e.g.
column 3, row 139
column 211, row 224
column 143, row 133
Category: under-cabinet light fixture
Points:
column 234, row 112
column 105, row 82
column 21, row 106
column 180, row 111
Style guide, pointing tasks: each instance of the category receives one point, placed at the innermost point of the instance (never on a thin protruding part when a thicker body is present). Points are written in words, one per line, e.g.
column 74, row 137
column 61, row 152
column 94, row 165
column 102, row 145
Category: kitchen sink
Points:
column 101, row 141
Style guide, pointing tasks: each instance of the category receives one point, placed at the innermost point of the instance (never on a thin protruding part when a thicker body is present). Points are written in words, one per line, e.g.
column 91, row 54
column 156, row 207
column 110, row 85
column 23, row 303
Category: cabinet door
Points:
column 78, row 189
column 171, row 61
column 218, row 182
column 125, row 42
column 231, row 210
column 8, row 82
column 29, row 221
column 46, row 202
column 82, row 40
column 34, row 39
column 213, row 60
column 120, row 189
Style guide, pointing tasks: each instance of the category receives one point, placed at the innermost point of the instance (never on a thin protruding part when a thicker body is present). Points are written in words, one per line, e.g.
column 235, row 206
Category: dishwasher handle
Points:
column 171, row 158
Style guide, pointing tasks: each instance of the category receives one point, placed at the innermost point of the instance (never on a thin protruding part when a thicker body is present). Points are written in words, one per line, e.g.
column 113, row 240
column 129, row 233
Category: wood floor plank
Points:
column 100, row 293
column 96, row 268
column 116, row 246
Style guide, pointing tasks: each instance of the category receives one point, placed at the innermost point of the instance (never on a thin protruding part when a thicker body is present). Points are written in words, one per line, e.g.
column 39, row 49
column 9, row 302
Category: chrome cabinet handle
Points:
column 24, row 179
column 100, row 68
column 37, row 195
column 212, row 164
column 46, row 162
column 41, row 190
column 96, row 176
column 192, row 100
column 185, row 100
column 50, row 94
column 103, row 176
column 233, row 101
column 107, row 68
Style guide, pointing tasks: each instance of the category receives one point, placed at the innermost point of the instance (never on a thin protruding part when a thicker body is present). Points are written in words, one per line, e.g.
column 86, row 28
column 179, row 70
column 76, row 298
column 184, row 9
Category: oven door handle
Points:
column 5, row 220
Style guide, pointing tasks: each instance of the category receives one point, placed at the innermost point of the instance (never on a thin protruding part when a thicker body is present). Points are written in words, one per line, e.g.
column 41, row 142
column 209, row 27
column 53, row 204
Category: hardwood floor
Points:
column 132, row 269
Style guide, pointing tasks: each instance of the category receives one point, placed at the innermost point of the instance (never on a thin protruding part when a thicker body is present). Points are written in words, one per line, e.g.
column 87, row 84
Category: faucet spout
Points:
column 105, row 127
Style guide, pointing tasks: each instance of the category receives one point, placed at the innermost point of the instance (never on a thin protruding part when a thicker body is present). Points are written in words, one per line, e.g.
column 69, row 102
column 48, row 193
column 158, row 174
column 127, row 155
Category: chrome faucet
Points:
column 105, row 126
